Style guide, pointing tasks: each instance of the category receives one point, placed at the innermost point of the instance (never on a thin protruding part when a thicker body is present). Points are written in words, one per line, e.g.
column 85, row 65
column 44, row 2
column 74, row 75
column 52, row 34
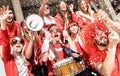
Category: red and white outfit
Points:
column 52, row 58
column 48, row 21
column 11, row 68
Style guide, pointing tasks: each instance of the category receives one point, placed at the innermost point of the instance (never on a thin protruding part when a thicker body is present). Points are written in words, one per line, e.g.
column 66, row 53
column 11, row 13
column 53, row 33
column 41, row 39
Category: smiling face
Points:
column 83, row 5
column 17, row 44
column 10, row 17
column 101, row 38
column 63, row 6
column 74, row 29
column 46, row 10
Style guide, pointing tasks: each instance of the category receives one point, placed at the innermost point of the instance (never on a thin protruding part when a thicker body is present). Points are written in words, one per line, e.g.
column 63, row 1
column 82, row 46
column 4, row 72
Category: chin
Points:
column 9, row 20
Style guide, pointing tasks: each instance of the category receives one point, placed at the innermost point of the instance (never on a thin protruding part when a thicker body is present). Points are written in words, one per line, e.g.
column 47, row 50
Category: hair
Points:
column 69, row 17
column 70, row 25
column 79, row 4
column 25, row 62
column 51, row 25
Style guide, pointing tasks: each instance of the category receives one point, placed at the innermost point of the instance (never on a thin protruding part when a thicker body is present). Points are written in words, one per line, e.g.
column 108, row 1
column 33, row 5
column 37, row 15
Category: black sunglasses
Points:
column 14, row 41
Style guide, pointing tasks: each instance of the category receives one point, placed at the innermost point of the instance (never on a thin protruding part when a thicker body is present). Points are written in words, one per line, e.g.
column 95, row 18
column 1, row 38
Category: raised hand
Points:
column 47, row 35
column 65, row 34
column 102, row 15
column 113, row 38
column 4, row 13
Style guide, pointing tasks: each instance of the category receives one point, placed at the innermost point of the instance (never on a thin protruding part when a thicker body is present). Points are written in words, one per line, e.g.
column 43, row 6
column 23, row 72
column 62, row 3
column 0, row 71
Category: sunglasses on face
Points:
column 54, row 30
column 14, row 41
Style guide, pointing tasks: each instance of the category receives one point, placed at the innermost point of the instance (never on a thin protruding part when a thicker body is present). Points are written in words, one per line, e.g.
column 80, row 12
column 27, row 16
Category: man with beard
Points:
column 102, row 48
column 52, row 40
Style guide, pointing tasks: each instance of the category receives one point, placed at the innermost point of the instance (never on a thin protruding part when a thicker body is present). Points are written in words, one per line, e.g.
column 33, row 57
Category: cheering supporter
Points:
column 65, row 15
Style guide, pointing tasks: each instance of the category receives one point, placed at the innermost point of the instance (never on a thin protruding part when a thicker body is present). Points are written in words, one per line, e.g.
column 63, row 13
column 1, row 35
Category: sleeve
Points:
column 17, row 28
column 80, row 22
column 59, row 21
column 45, row 46
column 74, row 18
column 5, row 45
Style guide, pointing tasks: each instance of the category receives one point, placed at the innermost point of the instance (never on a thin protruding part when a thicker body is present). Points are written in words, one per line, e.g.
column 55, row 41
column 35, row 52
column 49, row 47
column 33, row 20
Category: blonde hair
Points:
column 25, row 62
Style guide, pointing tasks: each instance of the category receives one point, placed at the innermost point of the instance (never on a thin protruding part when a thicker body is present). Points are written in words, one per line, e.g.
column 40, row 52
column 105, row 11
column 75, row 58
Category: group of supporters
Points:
column 73, row 43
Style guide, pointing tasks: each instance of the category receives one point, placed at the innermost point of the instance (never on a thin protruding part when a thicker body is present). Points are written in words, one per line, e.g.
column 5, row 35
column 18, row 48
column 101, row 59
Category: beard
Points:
column 101, row 44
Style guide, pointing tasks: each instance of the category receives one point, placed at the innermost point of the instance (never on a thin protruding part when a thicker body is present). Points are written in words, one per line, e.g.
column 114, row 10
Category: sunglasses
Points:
column 14, row 41
column 55, row 30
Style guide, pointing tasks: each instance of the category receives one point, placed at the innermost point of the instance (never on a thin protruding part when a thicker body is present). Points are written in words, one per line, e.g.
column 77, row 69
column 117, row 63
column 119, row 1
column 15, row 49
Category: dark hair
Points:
column 51, row 25
column 69, row 17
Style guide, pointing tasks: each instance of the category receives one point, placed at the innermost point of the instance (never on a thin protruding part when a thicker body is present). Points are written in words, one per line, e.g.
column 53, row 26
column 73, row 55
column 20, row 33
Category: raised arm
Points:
column 4, row 13
column 45, row 47
column 42, row 7
column 107, row 65
column 30, row 46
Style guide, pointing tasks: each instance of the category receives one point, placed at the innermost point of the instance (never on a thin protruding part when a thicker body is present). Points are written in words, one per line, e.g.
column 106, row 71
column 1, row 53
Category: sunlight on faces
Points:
column 10, row 17
column 101, row 38
column 83, row 5
column 17, row 44
column 46, row 10
column 74, row 29
column 63, row 6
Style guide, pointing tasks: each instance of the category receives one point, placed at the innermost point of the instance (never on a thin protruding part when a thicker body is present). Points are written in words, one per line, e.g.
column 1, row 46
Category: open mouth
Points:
column 55, row 35
column 18, row 46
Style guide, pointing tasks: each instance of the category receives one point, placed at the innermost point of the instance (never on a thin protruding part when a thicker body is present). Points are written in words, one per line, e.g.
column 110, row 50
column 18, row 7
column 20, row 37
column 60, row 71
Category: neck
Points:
column 101, row 47
column 73, row 36
column 47, row 15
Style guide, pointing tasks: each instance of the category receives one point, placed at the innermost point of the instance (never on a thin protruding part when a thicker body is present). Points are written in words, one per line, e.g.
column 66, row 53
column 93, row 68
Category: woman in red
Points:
column 65, row 15
column 13, row 51
column 13, row 26
column 75, row 42
column 85, row 14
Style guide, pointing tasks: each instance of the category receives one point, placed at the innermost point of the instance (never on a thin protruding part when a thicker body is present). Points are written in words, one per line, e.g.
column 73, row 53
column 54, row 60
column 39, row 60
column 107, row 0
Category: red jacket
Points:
column 14, row 30
column 60, row 23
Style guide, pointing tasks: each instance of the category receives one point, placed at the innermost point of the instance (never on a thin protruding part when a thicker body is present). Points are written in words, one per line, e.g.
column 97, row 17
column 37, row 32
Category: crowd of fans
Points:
column 77, row 43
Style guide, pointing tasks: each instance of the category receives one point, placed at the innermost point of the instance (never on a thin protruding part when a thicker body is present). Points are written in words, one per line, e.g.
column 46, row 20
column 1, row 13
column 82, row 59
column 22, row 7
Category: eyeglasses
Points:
column 55, row 30
column 14, row 41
